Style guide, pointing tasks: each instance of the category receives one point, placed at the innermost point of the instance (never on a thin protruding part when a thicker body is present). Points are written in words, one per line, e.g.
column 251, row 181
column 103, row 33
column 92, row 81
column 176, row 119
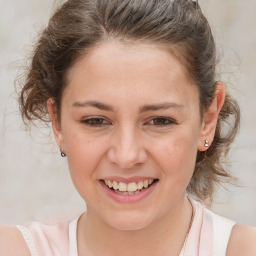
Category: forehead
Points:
column 128, row 69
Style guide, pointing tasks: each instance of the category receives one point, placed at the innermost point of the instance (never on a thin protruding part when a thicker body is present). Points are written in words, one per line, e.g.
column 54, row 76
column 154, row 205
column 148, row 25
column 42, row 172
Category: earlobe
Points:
column 210, row 118
column 55, row 122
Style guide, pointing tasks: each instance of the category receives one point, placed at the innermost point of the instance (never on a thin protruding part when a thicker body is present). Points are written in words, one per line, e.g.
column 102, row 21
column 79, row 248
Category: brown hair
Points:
column 79, row 25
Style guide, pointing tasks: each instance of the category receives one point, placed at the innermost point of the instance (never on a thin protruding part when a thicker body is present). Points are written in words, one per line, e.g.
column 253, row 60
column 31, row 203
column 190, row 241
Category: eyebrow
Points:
column 162, row 106
column 94, row 104
column 145, row 108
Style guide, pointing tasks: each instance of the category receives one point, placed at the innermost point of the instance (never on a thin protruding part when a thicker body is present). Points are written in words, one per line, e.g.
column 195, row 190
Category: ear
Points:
column 210, row 117
column 55, row 123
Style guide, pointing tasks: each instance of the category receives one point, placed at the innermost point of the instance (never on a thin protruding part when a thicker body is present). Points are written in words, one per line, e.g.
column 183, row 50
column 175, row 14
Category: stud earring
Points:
column 63, row 153
column 206, row 144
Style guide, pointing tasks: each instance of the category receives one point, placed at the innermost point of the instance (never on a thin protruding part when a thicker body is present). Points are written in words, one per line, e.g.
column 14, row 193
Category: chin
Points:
column 129, row 221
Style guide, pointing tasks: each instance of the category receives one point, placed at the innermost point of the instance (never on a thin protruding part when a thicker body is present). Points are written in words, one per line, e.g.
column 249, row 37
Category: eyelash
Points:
column 90, row 121
column 165, row 119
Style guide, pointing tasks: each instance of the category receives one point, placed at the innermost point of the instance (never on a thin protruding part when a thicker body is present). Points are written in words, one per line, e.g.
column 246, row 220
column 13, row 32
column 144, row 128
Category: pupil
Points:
column 159, row 121
column 96, row 121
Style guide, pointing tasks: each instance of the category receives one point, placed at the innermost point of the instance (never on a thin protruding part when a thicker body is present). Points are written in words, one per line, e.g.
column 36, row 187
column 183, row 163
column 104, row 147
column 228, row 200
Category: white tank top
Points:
column 222, row 228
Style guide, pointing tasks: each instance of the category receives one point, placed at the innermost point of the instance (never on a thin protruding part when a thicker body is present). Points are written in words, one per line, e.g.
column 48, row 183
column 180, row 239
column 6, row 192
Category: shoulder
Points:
column 242, row 241
column 12, row 242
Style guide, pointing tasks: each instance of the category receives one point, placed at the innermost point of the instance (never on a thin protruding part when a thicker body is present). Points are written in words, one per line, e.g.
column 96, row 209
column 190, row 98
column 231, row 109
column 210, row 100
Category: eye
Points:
column 95, row 121
column 161, row 121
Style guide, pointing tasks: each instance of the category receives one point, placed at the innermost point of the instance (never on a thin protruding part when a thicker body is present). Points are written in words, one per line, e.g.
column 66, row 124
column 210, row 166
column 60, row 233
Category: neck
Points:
column 165, row 235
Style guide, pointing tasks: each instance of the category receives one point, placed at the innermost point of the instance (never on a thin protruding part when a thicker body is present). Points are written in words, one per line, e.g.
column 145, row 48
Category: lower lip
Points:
column 128, row 198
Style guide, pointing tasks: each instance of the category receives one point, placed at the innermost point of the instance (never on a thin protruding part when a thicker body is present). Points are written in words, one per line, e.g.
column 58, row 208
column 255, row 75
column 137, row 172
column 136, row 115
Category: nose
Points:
column 126, row 149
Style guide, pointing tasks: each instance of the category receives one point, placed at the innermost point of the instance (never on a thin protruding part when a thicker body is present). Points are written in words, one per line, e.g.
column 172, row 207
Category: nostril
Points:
column 126, row 157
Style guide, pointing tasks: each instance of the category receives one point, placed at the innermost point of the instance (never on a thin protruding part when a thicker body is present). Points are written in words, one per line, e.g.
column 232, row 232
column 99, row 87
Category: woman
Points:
column 129, row 87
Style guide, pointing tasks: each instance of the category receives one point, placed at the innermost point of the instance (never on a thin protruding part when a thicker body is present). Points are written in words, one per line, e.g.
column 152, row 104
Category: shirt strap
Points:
column 73, row 237
column 28, row 239
column 222, row 228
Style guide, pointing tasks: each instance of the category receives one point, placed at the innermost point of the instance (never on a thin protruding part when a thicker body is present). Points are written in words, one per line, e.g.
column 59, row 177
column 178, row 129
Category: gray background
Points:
column 34, row 179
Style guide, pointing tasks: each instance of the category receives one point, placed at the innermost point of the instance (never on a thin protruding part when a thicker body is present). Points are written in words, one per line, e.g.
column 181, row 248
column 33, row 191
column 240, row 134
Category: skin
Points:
column 131, row 143
column 128, row 143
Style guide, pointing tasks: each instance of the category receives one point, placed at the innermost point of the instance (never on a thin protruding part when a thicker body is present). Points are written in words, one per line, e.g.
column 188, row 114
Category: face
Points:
column 130, row 118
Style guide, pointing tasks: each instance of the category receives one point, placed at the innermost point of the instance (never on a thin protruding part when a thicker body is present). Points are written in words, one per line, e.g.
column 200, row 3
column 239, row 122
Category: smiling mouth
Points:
column 129, row 188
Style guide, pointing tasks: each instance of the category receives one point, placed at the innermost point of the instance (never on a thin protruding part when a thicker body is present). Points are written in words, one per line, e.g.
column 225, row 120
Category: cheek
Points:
column 176, row 155
column 84, row 154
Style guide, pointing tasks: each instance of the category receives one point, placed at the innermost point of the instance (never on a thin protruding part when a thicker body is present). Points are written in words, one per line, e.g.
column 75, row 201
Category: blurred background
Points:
column 34, row 179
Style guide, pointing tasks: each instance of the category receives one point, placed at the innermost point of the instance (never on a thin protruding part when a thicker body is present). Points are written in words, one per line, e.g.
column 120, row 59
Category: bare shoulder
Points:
column 12, row 242
column 242, row 241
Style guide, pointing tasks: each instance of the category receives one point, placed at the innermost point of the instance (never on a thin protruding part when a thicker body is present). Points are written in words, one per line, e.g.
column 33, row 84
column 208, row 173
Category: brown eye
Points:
column 94, row 121
column 161, row 121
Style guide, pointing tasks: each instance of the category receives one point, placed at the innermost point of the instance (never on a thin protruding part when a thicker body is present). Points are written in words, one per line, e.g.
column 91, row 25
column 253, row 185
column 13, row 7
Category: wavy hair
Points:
column 79, row 25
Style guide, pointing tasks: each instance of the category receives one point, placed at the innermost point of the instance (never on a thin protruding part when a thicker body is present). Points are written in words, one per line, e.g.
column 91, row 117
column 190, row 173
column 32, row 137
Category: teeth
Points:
column 140, row 185
column 109, row 183
column 122, row 187
column 145, row 183
column 126, row 193
column 130, row 188
column 115, row 185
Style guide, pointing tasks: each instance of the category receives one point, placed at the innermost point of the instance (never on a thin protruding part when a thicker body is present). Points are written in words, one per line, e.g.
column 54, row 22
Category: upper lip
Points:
column 128, row 179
